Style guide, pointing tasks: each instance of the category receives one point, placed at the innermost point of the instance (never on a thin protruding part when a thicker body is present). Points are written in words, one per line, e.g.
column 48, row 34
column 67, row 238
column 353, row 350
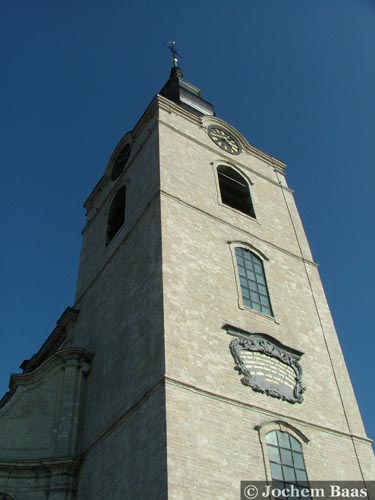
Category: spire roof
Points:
column 185, row 94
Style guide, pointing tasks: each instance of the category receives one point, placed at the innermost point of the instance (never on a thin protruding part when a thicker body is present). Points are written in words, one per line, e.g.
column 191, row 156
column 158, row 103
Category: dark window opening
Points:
column 116, row 214
column 234, row 190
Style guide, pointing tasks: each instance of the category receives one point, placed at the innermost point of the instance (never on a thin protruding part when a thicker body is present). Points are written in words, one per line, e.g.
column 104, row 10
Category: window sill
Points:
column 116, row 237
column 254, row 311
column 238, row 212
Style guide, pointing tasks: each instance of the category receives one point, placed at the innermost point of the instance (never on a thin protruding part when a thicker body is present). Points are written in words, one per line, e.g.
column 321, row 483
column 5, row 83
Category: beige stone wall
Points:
column 41, row 418
column 129, row 461
column 141, row 178
column 210, row 454
column 201, row 295
column 40, row 428
column 119, row 293
column 121, row 321
column 165, row 414
column 28, row 420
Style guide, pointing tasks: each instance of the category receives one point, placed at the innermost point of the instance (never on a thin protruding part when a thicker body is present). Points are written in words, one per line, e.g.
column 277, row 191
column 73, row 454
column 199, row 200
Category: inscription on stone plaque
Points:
column 267, row 365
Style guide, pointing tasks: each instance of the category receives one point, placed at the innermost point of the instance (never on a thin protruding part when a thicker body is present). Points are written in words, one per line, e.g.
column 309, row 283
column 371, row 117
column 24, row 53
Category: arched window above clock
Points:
column 116, row 214
column 234, row 190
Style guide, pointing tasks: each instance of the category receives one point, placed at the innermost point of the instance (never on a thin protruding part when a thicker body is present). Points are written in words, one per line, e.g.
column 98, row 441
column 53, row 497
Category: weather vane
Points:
column 172, row 47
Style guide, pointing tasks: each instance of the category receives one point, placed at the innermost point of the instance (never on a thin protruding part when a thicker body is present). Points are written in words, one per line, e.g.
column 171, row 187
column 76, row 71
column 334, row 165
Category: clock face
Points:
column 120, row 162
column 224, row 140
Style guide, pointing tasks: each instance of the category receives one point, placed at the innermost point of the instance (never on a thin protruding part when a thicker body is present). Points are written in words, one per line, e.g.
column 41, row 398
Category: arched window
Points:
column 253, row 281
column 234, row 190
column 4, row 496
column 116, row 214
column 286, row 460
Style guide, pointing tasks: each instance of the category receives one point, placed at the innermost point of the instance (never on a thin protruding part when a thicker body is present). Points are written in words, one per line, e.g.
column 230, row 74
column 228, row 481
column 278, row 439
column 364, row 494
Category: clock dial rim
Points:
column 221, row 140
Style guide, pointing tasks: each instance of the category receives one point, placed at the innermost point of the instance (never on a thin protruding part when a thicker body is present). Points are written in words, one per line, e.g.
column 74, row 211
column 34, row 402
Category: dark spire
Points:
column 184, row 93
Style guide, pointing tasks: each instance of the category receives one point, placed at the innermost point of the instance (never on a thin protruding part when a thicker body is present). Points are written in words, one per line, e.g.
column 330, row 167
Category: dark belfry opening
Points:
column 234, row 190
column 116, row 214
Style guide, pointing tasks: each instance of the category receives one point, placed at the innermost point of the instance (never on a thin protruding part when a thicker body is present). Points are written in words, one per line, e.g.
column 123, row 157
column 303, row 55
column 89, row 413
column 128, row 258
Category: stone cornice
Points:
column 272, row 161
column 68, row 354
column 95, row 193
column 53, row 475
column 47, row 465
column 160, row 102
column 53, row 342
column 131, row 135
column 244, row 231
column 204, row 121
column 226, row 160
column 171, row 107
column 119, row 182
column 80, row 357
column 267, row 413
column 128, row 233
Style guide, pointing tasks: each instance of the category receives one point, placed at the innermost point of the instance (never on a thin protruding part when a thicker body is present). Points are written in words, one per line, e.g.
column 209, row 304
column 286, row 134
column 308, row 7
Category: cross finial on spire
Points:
column 172, row 47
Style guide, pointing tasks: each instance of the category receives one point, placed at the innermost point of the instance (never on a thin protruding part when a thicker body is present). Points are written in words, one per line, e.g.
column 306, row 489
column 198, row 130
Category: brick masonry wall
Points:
column 201, row 295
column 164, row 412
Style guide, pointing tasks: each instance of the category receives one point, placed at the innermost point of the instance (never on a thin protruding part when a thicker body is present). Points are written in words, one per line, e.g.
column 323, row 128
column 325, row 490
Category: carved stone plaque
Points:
column 267, row 365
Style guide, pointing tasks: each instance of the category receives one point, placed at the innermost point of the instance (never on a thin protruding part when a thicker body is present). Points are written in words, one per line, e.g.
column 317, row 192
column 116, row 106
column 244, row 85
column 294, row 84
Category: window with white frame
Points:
column 286, row 460
column 253, row 283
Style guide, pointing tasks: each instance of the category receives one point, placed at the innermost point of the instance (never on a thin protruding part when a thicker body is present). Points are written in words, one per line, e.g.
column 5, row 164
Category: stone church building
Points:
column 200, row 351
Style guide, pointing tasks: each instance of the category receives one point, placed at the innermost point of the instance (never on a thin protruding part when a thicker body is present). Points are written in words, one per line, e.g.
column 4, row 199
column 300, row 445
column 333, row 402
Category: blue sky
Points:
column 295, row 77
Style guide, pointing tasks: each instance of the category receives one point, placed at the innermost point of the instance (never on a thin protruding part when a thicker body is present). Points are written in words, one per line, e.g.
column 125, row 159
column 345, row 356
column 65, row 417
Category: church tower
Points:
column 200, row 351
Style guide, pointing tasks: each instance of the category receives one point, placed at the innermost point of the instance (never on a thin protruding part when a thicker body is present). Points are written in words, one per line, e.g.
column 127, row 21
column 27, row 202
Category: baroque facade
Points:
column 200, row 351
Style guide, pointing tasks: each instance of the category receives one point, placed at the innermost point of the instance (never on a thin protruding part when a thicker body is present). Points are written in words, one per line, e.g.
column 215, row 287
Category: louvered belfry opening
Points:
column 116, row 214
column 234, row 190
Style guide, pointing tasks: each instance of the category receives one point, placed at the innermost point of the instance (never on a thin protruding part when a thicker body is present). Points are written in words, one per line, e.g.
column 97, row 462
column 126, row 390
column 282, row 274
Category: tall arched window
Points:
column 116, row 214
column 234, row 190
column 253, row 281
column 286, row 460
